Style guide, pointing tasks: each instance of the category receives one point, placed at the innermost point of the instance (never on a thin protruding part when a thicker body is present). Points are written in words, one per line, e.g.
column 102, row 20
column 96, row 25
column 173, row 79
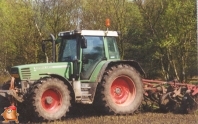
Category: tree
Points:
column 159, row 34
column 170, row 31
column 123, row 16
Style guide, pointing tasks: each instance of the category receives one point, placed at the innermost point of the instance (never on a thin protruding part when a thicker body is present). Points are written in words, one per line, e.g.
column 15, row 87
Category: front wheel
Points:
column 122, row 89
column 51, row 99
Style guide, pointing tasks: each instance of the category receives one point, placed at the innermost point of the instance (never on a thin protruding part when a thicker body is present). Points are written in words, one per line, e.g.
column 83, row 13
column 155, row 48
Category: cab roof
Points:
column 89, row 32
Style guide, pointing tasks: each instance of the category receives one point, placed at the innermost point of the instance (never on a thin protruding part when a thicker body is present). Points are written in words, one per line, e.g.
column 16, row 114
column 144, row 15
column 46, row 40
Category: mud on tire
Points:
column 50, row 99
column 121, row 90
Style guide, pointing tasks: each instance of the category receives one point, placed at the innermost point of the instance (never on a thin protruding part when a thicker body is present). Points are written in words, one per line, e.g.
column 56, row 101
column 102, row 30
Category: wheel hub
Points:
column 118, row 90
column 122, row 90
column 49, row 100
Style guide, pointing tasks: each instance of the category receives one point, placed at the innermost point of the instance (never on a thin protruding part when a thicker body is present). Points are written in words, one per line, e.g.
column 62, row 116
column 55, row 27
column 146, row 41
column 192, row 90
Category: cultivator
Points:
column 170, row 96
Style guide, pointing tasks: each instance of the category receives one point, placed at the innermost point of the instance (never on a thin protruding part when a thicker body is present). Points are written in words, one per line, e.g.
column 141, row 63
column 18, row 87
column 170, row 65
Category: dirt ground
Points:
column 143, row 118
column 87, row 116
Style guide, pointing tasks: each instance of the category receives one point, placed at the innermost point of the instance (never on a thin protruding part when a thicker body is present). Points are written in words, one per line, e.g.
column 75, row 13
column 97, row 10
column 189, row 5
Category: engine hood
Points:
column 36, row 71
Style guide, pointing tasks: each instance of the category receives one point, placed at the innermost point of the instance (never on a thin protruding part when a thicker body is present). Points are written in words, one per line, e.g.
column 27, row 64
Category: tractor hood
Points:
column 36, row 71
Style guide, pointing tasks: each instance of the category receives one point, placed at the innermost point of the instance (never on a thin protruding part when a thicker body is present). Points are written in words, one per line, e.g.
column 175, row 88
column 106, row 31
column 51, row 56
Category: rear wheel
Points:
column 51, row 99
column 122, row 89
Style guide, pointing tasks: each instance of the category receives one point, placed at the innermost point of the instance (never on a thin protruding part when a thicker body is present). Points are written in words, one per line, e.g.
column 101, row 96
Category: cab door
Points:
column 92, row 55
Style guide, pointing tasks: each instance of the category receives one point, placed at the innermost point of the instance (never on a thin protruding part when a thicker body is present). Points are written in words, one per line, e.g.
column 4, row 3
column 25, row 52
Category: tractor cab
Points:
column 86, row 49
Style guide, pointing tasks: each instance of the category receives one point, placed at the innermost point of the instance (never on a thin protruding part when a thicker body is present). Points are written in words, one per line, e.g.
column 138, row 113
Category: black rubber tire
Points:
column 41, row 87
column 109, row 95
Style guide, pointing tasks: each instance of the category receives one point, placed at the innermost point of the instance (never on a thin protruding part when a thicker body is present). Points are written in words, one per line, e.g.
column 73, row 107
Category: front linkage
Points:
column 9, row 91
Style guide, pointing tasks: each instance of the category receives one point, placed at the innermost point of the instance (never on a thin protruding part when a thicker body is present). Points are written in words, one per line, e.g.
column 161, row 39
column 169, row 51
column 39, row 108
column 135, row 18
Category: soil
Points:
column 86, row 115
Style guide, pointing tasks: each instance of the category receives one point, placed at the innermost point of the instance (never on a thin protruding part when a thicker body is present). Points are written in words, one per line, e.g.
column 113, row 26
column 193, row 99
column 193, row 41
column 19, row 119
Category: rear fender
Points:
column 132, row 63
column 108, row 64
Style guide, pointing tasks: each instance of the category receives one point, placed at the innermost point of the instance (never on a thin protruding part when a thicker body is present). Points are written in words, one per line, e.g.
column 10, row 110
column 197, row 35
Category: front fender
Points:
column 65, row 80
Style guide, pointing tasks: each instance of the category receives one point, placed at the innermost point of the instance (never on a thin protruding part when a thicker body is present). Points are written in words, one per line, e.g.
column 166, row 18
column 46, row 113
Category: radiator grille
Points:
column 25, row 73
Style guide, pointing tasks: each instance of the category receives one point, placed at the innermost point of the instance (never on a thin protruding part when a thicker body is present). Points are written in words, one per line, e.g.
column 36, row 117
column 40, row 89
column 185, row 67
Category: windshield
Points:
column 68, row 50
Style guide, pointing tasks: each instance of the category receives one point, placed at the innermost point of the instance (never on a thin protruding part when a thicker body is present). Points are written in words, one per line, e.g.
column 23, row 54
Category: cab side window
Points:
column 112, row 48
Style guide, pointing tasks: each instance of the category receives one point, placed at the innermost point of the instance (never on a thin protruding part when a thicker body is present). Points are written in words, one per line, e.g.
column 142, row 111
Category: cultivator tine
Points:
column 171, row 95
column 195, row 90
column 11, row 92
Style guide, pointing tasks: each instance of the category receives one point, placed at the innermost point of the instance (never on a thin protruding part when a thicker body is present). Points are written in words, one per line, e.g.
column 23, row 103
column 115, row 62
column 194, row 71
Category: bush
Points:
column 4, row 76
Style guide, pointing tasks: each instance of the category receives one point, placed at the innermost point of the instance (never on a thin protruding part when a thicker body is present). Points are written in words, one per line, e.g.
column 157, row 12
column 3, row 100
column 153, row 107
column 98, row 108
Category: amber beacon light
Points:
column 107, row 22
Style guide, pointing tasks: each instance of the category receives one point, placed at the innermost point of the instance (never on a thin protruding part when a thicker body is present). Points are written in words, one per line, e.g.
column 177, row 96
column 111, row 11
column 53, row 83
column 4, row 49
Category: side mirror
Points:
column 43, row 46
column 83, row 42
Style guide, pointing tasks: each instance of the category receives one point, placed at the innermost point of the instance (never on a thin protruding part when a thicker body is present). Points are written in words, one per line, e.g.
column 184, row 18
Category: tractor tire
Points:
column 50, row 98
column 121, row 90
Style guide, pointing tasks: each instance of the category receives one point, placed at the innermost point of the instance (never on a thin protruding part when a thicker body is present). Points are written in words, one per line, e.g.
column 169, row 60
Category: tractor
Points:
column 88, row 70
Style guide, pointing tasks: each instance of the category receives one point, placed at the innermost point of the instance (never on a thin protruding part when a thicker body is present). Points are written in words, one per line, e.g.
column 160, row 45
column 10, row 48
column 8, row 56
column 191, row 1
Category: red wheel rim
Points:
column 123, row 90
column 51, row 100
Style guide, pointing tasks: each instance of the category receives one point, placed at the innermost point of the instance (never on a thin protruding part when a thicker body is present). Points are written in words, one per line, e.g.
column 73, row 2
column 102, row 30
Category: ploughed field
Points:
column 85, row 114
column 143, row 118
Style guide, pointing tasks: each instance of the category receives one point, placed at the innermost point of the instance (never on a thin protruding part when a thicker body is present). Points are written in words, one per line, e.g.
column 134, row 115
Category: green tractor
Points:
column 88, row 70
